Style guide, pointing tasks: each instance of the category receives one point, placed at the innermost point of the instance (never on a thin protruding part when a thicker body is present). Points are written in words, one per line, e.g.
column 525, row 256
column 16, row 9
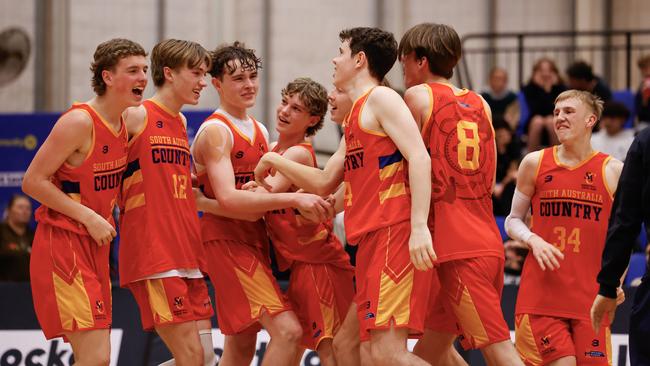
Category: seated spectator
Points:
column 612, row 138
column 16, row 240
column 581, row 77
column 642, row 98
column 544, row 86
column 497, row 95
column 515, row 254
column 508, row 157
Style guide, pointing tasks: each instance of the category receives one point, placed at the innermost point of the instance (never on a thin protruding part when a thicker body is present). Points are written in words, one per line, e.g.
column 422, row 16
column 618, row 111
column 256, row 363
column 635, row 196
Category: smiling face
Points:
column 340, row 105
column 188, row 82
column 239, row 88
column 127, row 79
column 344, row 64
column 572, row 119
column 293, row 117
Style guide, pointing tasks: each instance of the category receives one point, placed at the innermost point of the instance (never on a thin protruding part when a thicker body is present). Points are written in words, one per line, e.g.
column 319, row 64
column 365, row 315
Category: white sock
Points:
column 209, row 358
column 171, row 362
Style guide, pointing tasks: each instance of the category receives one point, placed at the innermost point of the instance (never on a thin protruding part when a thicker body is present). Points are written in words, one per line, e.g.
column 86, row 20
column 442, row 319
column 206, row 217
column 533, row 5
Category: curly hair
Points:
column 313, row 95
column 107, row 55
column 223, row 56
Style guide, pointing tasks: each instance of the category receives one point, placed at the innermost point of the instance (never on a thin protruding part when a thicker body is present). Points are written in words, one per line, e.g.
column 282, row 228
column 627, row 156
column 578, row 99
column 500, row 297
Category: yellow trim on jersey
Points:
column 429, row 119
column 136, row 177
column 75, row 197
column 110, row 128
column 259, row 291
column 394, row 299
column 390, row 170
column 158, row 300
column 134, row 202
column 144, row 127
column 347, row 195
column 525, row 341
column 466, row 312
column 568, row 167
column 453, row 88
column 607, row 187
column 608, row 345
column 319, row 236
column 92, row 137
column 395, row 190
column 73, row 303
column 164, row 107
column 367, row 130
column 329, row 318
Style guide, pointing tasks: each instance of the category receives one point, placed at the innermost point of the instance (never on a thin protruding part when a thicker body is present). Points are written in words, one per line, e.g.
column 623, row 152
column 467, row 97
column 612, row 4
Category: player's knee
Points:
column 290, row 332
column 381, row 354
column 95, row 358
column 342, row 344
column 190, row 354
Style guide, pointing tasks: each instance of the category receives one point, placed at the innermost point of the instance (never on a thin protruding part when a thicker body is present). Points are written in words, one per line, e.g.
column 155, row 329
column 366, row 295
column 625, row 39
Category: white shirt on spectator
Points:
column 616, row 145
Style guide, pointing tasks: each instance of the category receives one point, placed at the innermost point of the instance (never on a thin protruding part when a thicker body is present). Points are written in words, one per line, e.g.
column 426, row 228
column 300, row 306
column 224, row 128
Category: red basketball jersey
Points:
column 297, row 239
column 376, row 179
column 158, row 222
column 96, row 182
column 460, row 139
column 570, row 209
column 244, row 156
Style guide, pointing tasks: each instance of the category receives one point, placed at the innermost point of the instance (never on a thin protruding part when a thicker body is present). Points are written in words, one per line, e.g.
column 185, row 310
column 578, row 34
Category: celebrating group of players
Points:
column 413, row 175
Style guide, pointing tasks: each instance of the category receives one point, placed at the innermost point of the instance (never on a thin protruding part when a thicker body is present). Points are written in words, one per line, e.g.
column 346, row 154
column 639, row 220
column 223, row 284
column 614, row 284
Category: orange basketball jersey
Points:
column 244, row 156
column 159, row 222
column 96, row 182
column 570, row 209
column 297, row 239
column 376, row 179
column 460, row 139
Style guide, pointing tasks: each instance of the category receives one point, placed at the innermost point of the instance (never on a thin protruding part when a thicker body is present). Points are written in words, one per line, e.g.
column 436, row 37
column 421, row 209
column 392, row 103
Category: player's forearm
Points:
column 339, row 199
column 246, row 202
column 212, row 206
column 420, row 185
column 310, row 179
column 45, row 192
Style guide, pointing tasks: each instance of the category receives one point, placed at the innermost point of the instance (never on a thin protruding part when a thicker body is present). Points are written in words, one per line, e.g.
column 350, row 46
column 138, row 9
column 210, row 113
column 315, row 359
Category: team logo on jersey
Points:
column 178, row 302
column 317, row 333
column 589, row 177
column 239, row 154
column 595, row 343
column 548, row 178
column 546, row 341
column 594, row 354
column 99, row 306
column 105, row 149
column 465, row 105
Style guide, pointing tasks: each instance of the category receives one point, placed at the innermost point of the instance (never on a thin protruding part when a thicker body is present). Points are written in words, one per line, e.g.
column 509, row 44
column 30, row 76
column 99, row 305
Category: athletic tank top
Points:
column 297, row 239
column 244, row 156
column 159, row 222
column 460, row 139
column 375, row 176
column 96, row 182
column 570, row 209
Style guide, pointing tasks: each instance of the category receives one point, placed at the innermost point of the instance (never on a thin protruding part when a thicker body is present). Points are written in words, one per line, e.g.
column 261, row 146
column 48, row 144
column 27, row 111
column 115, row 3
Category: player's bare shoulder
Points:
column 135, row 119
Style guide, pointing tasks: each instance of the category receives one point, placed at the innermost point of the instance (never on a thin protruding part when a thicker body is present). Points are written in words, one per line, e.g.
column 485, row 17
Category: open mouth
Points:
column 138, row 91
column 197, row 92
column 283, row 120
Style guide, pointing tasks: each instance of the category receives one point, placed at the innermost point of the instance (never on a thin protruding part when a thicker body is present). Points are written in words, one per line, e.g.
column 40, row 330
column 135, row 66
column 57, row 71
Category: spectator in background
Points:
column 642, row 98
column 612, row 138
column 543, row 87
column 515, row 255
column 508, row 157
column 497, row 95
column 581, row 77
column 16, row 240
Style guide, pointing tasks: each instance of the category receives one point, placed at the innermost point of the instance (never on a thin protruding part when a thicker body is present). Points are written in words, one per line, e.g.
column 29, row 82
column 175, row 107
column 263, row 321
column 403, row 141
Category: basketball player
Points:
column 226, row 149
column 457, row 129
column 570, row 188
column 160, row 251
column 383, row 215
column 76, row 176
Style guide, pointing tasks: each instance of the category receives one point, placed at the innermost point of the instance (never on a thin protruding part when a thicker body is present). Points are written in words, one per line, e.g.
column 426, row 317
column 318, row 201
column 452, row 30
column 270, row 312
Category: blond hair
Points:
column 107, row 55
column 592, row 101
column 174, row 53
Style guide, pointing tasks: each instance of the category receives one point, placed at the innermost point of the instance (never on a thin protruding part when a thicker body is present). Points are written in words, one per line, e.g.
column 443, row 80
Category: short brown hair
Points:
column 379, row 46
column 438, row 43
column 644, row 61
column 107, row 55
column 174, row 53
column 225, row 53
column 313, row 95
column 590, row 100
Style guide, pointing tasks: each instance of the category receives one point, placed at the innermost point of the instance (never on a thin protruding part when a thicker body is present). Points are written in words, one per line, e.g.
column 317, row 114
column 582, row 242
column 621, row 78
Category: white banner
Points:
column 30, row 348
